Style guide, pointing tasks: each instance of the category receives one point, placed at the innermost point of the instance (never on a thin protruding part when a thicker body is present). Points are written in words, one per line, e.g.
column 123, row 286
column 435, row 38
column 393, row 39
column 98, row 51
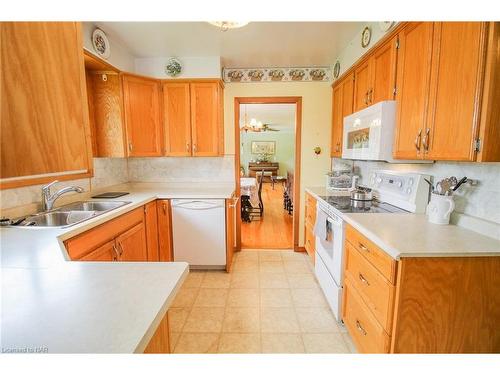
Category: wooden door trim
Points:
column 297, row 100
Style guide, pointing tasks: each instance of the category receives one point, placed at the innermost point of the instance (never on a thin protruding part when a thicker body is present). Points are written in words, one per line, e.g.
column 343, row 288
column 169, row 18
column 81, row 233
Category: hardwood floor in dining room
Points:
column 275, row 229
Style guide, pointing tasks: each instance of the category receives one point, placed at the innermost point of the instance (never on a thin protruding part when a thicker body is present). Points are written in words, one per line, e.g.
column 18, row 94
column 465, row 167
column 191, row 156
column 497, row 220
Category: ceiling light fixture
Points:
column 226, row 25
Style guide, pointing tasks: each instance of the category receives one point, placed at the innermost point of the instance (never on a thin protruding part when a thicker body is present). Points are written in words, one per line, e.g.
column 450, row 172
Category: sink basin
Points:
column 92, row 206
column 58, row 218
column 71, row 214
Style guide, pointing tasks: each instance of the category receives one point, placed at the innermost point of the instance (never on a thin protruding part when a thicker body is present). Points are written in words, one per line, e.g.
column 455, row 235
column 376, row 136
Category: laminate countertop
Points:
column 51, row 304
column 411, row 235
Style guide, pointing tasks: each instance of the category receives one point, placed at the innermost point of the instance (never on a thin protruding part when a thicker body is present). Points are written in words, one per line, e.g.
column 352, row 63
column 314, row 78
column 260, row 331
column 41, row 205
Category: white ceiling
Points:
column 278, row 116
column 257, row 44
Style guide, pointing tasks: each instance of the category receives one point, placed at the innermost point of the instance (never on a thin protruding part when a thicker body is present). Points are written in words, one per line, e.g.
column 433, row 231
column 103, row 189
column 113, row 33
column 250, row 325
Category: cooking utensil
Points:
column 459, row 183
column 361, row 194
column 430, row 185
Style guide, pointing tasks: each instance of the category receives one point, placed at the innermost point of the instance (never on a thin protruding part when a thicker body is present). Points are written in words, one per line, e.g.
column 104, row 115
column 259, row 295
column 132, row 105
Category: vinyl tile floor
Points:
column 269, row 303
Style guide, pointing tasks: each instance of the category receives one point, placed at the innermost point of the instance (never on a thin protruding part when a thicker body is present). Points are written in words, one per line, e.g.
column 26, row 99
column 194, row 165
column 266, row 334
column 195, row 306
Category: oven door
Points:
column 330, row 249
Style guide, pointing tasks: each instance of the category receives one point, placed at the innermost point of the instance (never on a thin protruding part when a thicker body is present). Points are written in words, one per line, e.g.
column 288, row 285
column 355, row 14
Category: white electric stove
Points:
column 393, row 191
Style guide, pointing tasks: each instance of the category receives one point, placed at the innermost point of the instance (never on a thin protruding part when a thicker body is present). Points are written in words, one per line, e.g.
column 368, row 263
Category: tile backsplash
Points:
column 107, row 172
column 114, row 171
column 481, row 201
column 181, row 169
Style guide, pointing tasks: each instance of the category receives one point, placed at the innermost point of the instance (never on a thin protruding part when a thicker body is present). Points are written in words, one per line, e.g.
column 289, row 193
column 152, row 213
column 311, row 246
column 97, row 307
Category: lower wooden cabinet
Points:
column 310, row 221
column 132, row 244
column 165, row 249
column 160, row 342
column 87, row 246
column 230, row 230
column 419, row 305
column 104, row 253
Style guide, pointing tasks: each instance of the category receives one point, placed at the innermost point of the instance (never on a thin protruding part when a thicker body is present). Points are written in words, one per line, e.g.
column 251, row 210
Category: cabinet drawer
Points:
column 366, row 332
column 310, row 240
column 377, row 257
column 374, row 289
column 86, row 242
column 310, row 209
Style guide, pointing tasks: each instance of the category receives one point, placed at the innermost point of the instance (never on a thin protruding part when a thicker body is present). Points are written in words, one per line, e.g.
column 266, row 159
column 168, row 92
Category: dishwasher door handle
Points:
column 196, row 204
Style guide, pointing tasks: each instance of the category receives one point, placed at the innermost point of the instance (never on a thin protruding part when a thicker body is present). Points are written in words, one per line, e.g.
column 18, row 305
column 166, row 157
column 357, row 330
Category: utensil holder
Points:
column 440, row 208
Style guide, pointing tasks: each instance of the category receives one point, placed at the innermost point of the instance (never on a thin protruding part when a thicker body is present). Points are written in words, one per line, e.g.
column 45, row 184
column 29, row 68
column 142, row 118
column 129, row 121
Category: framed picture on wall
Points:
column 264, row 147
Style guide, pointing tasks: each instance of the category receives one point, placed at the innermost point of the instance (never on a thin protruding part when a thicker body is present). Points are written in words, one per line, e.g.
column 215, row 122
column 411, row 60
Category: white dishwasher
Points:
column 199, row 232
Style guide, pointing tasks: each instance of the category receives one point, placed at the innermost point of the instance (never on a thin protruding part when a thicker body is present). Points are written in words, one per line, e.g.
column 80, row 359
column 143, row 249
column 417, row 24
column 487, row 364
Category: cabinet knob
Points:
column 130, row 147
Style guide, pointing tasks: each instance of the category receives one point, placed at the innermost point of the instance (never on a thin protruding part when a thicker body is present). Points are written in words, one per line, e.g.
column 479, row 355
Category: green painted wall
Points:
column 285, row 153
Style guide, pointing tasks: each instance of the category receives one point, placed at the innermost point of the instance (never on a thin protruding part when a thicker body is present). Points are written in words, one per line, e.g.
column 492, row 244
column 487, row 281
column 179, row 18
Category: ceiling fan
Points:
column 256, row 126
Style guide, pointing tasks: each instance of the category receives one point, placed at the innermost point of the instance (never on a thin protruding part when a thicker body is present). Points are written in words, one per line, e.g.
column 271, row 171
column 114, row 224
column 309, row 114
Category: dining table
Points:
column 248, row 186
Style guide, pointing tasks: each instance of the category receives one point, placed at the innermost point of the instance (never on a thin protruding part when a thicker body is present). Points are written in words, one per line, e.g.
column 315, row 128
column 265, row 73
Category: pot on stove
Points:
column 361, row 194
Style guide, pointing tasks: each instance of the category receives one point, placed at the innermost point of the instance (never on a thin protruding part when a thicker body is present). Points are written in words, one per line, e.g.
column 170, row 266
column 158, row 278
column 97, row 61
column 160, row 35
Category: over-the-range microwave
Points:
column 369, row 134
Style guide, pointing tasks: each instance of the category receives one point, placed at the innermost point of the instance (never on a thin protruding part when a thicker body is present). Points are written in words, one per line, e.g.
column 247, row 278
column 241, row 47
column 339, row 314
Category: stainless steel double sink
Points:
column 71, row 214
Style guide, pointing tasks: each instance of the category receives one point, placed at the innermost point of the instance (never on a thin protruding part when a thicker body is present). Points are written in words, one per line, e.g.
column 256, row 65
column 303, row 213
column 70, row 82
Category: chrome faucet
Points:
column 49, row 199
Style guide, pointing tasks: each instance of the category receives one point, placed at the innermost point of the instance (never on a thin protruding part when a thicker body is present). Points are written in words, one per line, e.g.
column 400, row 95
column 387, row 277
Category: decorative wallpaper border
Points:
column 278, row 74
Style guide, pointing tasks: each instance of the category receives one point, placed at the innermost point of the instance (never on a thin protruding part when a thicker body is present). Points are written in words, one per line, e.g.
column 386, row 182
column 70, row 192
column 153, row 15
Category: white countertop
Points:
column 411, row 235
column 94, row 307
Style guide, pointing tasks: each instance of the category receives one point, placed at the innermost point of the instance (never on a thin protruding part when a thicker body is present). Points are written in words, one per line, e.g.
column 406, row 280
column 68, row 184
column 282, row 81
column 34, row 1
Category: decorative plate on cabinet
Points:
column 385, row 25
column 366, row 36
column 336, row 70
column 173, row 67
column 101, row 43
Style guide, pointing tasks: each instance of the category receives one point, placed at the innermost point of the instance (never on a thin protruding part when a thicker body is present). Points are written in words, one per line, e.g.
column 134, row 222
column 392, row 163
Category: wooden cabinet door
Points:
column 164, row 230
column 151, row 222
column 361, row 85
column 104, row 253
column 105, row 105
column 205, row 118
column 383, row 73
column 347, row 96
column 337, row 121
column 458, row 50
column 141, row 98
column 132, row 244
column 230, row 231
column 413, row 83
column 44, row 115
column 177, row 119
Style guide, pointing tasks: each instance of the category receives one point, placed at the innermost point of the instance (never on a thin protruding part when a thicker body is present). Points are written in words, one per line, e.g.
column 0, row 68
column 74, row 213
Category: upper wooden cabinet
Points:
column 193, row 113
column 44, row 116
column 414, row 69
column 455, row 86
column 141, row 101
column 177, row 119
column 443, row 89
column 343, row 95
column 375, row 77
column 105, row 102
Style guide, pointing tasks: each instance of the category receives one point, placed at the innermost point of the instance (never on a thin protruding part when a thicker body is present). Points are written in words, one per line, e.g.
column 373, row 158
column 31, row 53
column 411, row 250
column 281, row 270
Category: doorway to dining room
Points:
column 268, row 171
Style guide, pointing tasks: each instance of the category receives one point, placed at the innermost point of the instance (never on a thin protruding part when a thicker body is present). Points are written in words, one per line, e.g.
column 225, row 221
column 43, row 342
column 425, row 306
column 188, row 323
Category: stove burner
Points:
column 348, row 205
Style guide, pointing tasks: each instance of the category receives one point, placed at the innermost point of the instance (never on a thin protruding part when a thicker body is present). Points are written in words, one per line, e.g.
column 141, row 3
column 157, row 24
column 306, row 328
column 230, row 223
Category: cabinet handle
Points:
column 194, row 147
column 360, row 328
column 337, row 148
column 366, row 98
column 130, row 147
column 425, row 142
column 418, row 138
column 120, row 248
column 362, row 278
column 370, row 96
column 363, row 247
column 187, row 147
column 164, row 208
column 116, row 256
